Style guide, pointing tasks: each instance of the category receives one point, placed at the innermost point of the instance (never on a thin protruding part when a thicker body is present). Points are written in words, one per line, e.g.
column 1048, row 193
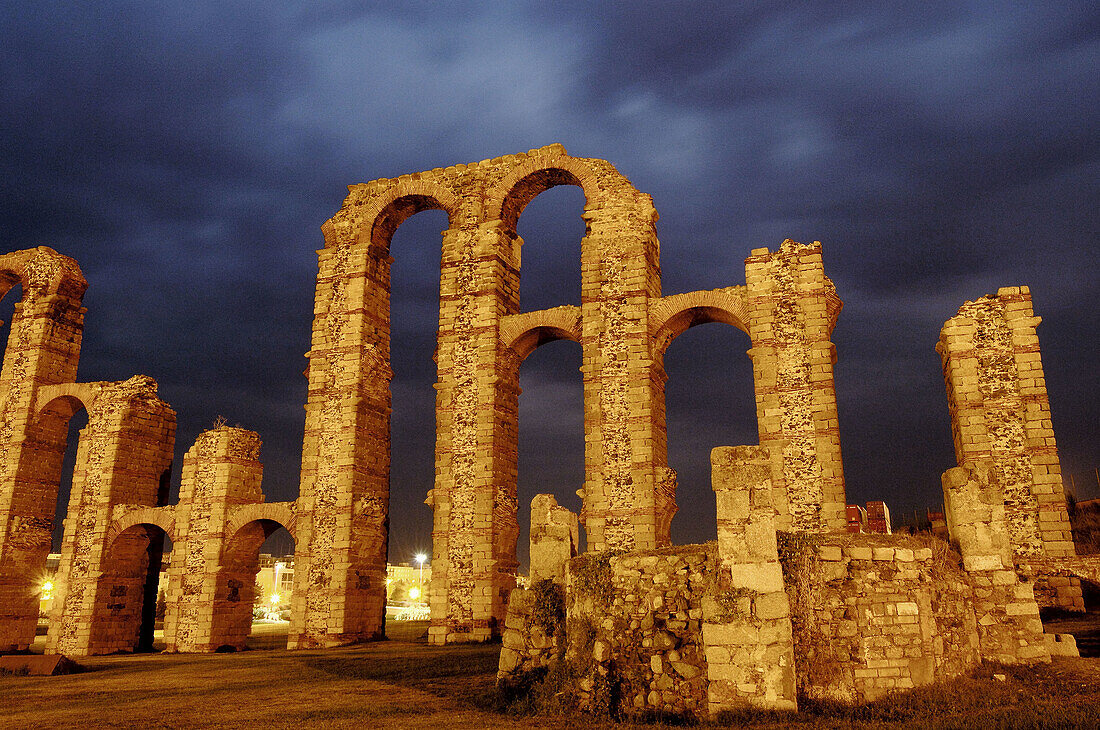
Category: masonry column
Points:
column 340, row 567
column 123, row 455
column 750, row 646
column 474, row 499
column 792, row 309
column 43, row 349
column 997, row 396
column 626, row 503
column 1009, row 628
column 210, row 604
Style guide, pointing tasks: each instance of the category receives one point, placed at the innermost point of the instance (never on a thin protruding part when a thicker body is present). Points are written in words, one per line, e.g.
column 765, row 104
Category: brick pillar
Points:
column 1009, row 628
column 627, row 502
column 792, row 309
column 211, row 580
column 122, row 459
column 997, row 396
column 749, row 644
column 43, row 349
column 343, row 505
column 474, row 499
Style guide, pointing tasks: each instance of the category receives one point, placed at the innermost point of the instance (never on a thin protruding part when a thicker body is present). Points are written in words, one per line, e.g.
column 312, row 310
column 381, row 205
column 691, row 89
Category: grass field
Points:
column 404, row 683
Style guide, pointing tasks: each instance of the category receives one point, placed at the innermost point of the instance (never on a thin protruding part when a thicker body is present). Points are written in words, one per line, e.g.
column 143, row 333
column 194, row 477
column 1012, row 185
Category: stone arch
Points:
column 66, row 399
column 124, row 608
column 235, row 588
column 535, row 175
column 281, row 513
column 403, row 201
column 374, row 220
column 674, row 315
column 522, row 333
column 43, row 270
column 162, row 517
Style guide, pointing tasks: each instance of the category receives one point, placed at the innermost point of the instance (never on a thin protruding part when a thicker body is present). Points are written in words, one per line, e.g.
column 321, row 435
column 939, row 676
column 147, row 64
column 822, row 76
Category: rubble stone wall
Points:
column 873, row 614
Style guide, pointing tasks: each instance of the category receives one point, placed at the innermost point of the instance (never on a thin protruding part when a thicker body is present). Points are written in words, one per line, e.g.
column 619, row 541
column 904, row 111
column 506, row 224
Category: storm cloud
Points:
column 186, row 154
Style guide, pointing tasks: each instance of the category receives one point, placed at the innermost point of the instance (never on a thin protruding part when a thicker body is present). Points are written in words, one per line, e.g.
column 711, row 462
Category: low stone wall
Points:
column 875, row 613
column 532, row 636
column 761, row 617
column 639, row 617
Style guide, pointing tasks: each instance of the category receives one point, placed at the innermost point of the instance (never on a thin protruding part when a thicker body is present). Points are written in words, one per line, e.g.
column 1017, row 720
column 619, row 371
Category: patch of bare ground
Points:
column 404, row 683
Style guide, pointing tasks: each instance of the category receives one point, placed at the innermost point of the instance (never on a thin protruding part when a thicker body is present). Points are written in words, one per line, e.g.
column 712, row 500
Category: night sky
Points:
column 186, row 155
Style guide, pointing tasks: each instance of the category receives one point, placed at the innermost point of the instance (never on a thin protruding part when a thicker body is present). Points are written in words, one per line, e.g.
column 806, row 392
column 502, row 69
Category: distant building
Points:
column 276, row 578
column 875, row 519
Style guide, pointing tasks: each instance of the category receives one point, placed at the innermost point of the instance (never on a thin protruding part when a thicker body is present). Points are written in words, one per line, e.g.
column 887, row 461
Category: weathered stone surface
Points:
column 1001, row 423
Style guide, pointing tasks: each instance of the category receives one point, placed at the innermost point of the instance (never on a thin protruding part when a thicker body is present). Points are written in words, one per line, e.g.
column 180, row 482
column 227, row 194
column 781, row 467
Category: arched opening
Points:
column 56, row 432
column 414, row 325
column 709, row 402
column 552, row 229
column 551, row 433
column 254, row 592
column 528, row 188
column 545, row 209
column 128, row 612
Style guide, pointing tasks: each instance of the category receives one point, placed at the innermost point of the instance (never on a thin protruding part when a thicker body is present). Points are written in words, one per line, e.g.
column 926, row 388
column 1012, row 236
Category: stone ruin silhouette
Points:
column 721, row 624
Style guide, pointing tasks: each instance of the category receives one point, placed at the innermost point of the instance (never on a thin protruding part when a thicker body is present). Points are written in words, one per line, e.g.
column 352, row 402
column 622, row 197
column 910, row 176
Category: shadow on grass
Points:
column 466, row 673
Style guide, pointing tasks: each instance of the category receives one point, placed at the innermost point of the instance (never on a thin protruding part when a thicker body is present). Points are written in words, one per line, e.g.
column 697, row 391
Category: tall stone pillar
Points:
column 43, row 349
column 750, row 650
column 792, row 309
column 122, row 460
column 627, row 502
column 211, row 587
column 344, row 494
column 1009, row 627
column 474, row 499
column 997, row 396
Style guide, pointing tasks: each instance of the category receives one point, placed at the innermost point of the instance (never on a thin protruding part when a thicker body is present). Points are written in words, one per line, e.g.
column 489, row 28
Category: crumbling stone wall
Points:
column 554, row 539
column 763, row 616
column 873, row 614
column 1009, row 628
column 750, row 650
column 635, row 625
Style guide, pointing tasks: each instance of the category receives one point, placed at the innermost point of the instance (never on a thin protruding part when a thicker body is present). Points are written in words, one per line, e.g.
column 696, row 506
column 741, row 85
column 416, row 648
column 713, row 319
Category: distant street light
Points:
column 420, row 558
column 275, row 585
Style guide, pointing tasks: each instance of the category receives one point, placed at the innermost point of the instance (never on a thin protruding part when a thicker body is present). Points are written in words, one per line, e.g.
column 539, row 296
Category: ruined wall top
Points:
column 473, row 194
column 42, row 270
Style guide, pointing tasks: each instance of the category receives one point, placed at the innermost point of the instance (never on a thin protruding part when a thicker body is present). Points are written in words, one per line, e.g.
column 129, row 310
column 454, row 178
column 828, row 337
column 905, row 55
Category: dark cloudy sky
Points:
column 187, row 153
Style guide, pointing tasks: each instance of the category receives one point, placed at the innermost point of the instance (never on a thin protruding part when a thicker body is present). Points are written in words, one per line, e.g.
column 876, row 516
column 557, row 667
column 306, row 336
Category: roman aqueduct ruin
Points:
column 1004, row 499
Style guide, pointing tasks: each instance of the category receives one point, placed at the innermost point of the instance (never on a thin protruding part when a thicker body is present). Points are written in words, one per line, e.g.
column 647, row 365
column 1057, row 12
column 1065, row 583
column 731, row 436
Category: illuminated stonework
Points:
column 118, row 516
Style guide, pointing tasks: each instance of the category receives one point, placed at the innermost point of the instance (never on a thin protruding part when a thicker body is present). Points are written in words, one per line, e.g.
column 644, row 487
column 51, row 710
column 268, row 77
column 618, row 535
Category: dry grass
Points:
column 404, row 683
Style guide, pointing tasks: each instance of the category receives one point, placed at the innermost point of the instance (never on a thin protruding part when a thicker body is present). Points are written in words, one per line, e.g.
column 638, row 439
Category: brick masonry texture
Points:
column 1000, row 417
